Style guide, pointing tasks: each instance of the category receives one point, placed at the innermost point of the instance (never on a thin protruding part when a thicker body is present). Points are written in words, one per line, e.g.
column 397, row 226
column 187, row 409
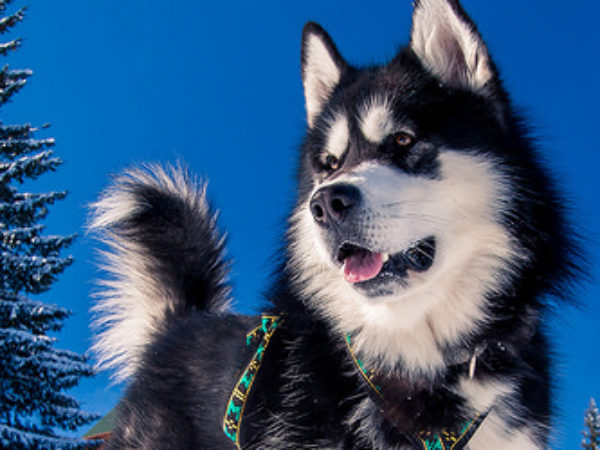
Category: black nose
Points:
column 331, row 203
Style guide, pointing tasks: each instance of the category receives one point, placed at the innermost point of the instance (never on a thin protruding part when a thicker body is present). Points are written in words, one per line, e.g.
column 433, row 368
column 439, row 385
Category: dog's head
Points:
column 412, row 186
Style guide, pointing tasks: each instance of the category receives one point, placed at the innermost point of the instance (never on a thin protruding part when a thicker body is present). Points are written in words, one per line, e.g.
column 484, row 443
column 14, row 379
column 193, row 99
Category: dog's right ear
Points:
column 322, row 67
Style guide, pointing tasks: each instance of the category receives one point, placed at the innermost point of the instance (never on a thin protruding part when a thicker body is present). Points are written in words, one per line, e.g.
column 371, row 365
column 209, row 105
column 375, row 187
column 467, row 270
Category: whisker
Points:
column 432, row 219
column 424, row 253
column 427, row 245
column 390, row 205
column 406, row 202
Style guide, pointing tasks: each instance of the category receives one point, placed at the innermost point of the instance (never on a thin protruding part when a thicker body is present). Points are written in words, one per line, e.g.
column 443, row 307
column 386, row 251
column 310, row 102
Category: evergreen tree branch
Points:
column 28, row 167
column 12, row 147
column 7, row 22
column 21, row 131
column 6, row 47
column 25, row 438
column 11, row 82
column 33, row 316
column 25, row 209
column 31, row 274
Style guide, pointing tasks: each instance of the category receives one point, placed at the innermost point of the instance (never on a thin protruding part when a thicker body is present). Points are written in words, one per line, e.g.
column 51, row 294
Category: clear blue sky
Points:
column 217, row 84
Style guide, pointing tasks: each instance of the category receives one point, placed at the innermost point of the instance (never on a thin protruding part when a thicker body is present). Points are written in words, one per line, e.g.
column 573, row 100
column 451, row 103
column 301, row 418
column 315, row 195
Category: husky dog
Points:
column 420, row 255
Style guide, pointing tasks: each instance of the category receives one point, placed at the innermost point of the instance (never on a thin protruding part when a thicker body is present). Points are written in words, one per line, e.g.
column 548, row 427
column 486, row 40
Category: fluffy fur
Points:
column 144, row 210
column 426, row 234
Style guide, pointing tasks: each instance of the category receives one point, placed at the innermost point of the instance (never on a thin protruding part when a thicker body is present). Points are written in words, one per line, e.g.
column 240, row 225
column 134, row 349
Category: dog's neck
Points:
column 409, row 405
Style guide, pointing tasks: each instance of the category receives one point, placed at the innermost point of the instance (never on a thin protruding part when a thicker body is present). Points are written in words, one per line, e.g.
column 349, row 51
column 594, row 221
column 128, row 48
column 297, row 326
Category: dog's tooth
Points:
column 385, row 257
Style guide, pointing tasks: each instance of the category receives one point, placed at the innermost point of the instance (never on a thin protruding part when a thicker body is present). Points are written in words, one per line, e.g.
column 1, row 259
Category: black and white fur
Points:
column 425, row 147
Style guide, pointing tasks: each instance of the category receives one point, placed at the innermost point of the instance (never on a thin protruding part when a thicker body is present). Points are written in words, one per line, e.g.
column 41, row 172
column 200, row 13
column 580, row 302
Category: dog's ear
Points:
column 322, row 67
column 448, row 44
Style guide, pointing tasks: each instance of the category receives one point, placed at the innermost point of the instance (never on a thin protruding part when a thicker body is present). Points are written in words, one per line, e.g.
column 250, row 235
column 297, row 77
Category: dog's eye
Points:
column 403, row 140
column 332, row 163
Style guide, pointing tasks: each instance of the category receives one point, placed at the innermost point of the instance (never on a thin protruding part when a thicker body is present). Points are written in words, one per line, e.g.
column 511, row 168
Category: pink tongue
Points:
column 362, row 265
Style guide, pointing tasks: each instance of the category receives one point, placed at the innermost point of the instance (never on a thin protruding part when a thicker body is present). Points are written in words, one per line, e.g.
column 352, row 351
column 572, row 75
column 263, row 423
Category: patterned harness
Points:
column 260, row 337
column 423, row 440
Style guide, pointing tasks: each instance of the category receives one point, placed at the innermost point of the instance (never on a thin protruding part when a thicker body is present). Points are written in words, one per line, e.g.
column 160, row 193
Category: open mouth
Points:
column 361, row 265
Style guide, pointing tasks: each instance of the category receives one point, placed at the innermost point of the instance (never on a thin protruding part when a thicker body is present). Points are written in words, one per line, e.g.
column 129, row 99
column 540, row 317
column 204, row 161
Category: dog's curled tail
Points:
column 164, row 257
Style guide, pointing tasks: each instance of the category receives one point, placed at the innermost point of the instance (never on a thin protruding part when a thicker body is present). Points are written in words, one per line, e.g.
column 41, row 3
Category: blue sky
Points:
column 217, row 84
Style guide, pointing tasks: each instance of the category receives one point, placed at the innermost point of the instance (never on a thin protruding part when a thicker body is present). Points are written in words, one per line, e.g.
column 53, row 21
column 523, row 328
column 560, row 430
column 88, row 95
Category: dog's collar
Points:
column 257, row 339
column 488, row 351
column 425, row 439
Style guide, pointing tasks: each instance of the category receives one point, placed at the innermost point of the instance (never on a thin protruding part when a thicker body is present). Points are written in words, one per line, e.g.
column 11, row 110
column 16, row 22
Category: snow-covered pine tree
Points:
column 33, row 374
column 591, row 434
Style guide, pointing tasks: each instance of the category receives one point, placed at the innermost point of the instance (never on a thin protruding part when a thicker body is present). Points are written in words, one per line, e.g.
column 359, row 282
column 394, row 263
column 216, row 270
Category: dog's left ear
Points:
column 322, row 67
column 448, row 44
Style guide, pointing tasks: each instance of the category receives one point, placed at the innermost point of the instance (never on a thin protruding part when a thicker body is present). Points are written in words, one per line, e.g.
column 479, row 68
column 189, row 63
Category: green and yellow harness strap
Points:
column 448, row 440
column 424, row 440
column 260, row 336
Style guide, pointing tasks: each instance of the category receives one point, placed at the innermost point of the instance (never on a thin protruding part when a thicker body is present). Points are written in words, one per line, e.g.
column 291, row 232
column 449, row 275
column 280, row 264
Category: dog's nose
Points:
column 331, row 203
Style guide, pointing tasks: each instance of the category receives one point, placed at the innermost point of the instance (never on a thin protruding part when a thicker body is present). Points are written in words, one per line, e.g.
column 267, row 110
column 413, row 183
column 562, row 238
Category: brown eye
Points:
column 332, row 162
column 404, row 140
